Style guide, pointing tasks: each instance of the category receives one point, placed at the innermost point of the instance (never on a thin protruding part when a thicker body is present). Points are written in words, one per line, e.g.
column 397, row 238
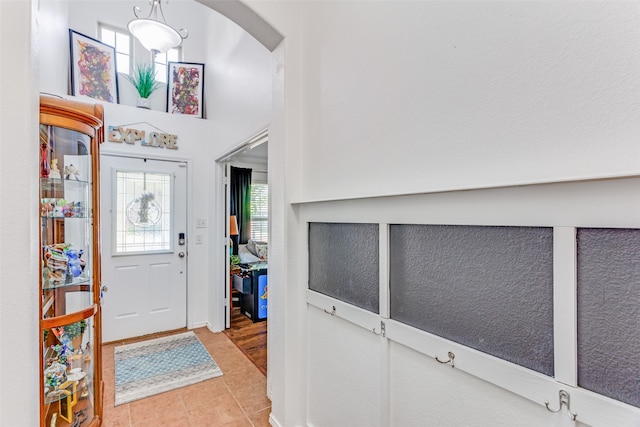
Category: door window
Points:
column 143, row 212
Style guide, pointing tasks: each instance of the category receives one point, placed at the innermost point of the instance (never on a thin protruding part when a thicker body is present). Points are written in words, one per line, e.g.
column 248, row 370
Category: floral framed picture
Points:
column 93, row 68
column 185, row 88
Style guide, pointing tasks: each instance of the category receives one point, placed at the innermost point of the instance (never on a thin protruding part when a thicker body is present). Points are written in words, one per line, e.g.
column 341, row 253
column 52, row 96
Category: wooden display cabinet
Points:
column 70, row 318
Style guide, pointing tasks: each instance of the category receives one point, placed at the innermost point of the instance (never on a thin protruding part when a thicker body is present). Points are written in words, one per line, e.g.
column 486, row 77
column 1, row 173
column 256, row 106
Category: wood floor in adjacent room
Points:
column 250, row 337
column 237, row 398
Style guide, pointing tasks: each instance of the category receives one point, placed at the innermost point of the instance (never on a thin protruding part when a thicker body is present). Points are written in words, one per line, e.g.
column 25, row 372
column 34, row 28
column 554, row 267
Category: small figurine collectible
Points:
column 54, row 172
column 71, row 173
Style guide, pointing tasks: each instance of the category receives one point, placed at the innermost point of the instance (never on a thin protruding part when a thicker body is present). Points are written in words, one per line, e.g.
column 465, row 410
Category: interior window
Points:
column 161, row 61
column 121, row 41
column 260, row 212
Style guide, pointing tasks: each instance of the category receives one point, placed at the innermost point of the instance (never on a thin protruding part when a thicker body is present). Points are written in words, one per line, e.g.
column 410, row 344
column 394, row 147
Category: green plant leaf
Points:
column 143, row 79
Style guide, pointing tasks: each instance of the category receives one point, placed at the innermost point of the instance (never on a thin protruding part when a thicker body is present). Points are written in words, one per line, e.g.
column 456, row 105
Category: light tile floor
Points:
column 237, row 398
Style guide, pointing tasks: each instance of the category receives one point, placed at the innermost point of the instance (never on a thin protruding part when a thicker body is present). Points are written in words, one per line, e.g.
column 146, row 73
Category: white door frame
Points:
column 222, row 213
column 191, row 296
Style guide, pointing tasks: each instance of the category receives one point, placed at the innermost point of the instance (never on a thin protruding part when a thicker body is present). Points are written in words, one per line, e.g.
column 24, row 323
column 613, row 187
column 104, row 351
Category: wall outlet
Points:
column 201, row 223
column 199, row 239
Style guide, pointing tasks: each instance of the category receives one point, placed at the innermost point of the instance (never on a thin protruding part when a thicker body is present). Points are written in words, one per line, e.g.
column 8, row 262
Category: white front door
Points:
column 144, row 265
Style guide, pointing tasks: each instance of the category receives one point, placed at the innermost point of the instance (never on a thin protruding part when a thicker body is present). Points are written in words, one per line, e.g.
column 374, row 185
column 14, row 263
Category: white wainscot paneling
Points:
column 343, row 387
column 424, row 392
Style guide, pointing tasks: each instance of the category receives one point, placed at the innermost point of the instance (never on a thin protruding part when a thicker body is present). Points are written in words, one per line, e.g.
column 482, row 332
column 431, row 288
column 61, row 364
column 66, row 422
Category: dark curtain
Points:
column 240, row 203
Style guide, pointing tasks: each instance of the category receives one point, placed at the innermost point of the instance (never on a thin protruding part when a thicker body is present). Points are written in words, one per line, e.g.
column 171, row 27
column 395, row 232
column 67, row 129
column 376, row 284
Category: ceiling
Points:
column 255, row 154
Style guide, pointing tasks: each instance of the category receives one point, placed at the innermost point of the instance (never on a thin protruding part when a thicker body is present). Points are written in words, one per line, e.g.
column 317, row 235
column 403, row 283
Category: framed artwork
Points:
column 185, row 88
column 93, row 68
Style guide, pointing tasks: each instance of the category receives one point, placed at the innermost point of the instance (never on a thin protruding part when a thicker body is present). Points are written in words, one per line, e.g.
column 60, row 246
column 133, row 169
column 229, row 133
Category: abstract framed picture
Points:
column 93, row 68
column 185, row 88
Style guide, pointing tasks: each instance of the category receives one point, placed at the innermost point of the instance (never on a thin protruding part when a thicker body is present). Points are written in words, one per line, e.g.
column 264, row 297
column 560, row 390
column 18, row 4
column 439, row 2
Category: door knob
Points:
column 103, row 290
column 181, row 254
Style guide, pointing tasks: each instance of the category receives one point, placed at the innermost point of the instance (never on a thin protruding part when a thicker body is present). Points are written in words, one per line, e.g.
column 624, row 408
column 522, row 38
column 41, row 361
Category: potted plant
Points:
column 144, row 80
column 75, row 331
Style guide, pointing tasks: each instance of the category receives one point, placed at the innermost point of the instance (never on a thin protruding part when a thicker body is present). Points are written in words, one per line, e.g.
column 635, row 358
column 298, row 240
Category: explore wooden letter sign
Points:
column 130, row 136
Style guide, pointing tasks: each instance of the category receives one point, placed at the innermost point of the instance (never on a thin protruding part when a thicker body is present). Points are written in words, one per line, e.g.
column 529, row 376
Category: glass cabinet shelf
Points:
column 74, row 282
column 70, row 315
column 64, row 198
column 73, row 215
column 82, row 389
column 57, row 184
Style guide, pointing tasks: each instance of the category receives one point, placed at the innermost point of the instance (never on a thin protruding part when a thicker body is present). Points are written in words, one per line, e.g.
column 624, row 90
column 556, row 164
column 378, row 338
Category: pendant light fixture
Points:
column 153, row 33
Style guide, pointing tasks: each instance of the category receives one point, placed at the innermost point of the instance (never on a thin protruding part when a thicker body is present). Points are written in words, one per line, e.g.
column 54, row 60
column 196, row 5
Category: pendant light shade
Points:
column 154, row 34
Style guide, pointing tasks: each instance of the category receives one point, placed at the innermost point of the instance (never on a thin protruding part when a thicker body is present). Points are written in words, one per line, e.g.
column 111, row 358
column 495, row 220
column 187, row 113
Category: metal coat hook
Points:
column 332, row 312
column 451, row 357
column 563, row 399
column 382, row 329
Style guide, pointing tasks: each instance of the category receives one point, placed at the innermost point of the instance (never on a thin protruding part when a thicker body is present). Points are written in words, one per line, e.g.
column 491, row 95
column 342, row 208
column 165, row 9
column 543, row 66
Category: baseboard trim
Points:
column 197, row 325
column 209, row 326
column 273, row 421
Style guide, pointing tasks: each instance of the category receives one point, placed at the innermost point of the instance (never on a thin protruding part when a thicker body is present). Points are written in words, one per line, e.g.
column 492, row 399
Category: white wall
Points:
column 423, row 96
column 84, row 17
column 237, row 67
column 379, row 98
column 344, row 355
column 19, row 272
column 34, row 41
column 237, row 101
column 239, row 85
column 200, row 277
column 383, row 98
column 53, row 43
